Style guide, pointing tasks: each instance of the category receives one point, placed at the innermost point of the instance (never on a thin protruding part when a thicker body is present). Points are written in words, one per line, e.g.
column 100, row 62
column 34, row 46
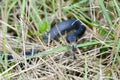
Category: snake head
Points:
column 71, row 39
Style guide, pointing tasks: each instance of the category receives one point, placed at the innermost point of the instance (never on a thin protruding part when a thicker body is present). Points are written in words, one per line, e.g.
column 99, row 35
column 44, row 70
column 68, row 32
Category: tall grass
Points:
column 97, row 50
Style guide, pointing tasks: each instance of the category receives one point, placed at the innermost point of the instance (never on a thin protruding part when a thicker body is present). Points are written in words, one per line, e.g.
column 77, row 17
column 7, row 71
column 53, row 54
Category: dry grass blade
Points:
column 97, row 51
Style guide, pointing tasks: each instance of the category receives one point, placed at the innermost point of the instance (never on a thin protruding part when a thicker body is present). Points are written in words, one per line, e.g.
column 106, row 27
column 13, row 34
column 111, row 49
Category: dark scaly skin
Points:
column 73, row 37
column 61, row 28
column 9, row 56
column 65, row 26
column 27, row 54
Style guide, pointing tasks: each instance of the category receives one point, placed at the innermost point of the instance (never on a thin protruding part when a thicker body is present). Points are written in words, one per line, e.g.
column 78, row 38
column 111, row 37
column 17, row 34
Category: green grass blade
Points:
column 116, row 53
column 11, row 6
column 23, row 8
column 117, row 7
column 105, row 12
column 77, row 4
column 66, row 48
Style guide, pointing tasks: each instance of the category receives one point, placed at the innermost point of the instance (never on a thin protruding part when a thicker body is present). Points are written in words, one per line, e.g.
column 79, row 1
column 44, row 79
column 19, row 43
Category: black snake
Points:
column 61, row 28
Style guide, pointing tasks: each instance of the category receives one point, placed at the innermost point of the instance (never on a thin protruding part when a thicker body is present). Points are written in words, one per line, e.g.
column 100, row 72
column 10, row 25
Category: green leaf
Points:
column 44, row 27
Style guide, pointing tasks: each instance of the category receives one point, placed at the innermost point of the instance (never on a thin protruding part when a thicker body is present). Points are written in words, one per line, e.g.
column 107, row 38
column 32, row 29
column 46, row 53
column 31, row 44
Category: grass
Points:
column 98, row 55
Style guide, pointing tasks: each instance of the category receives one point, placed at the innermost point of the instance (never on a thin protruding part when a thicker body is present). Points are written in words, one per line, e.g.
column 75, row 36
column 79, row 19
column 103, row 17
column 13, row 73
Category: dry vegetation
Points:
column 98, row 55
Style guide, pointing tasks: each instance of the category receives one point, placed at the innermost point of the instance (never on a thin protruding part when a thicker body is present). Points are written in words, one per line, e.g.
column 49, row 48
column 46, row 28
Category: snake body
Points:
column 66, row 26
column 61, row 28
